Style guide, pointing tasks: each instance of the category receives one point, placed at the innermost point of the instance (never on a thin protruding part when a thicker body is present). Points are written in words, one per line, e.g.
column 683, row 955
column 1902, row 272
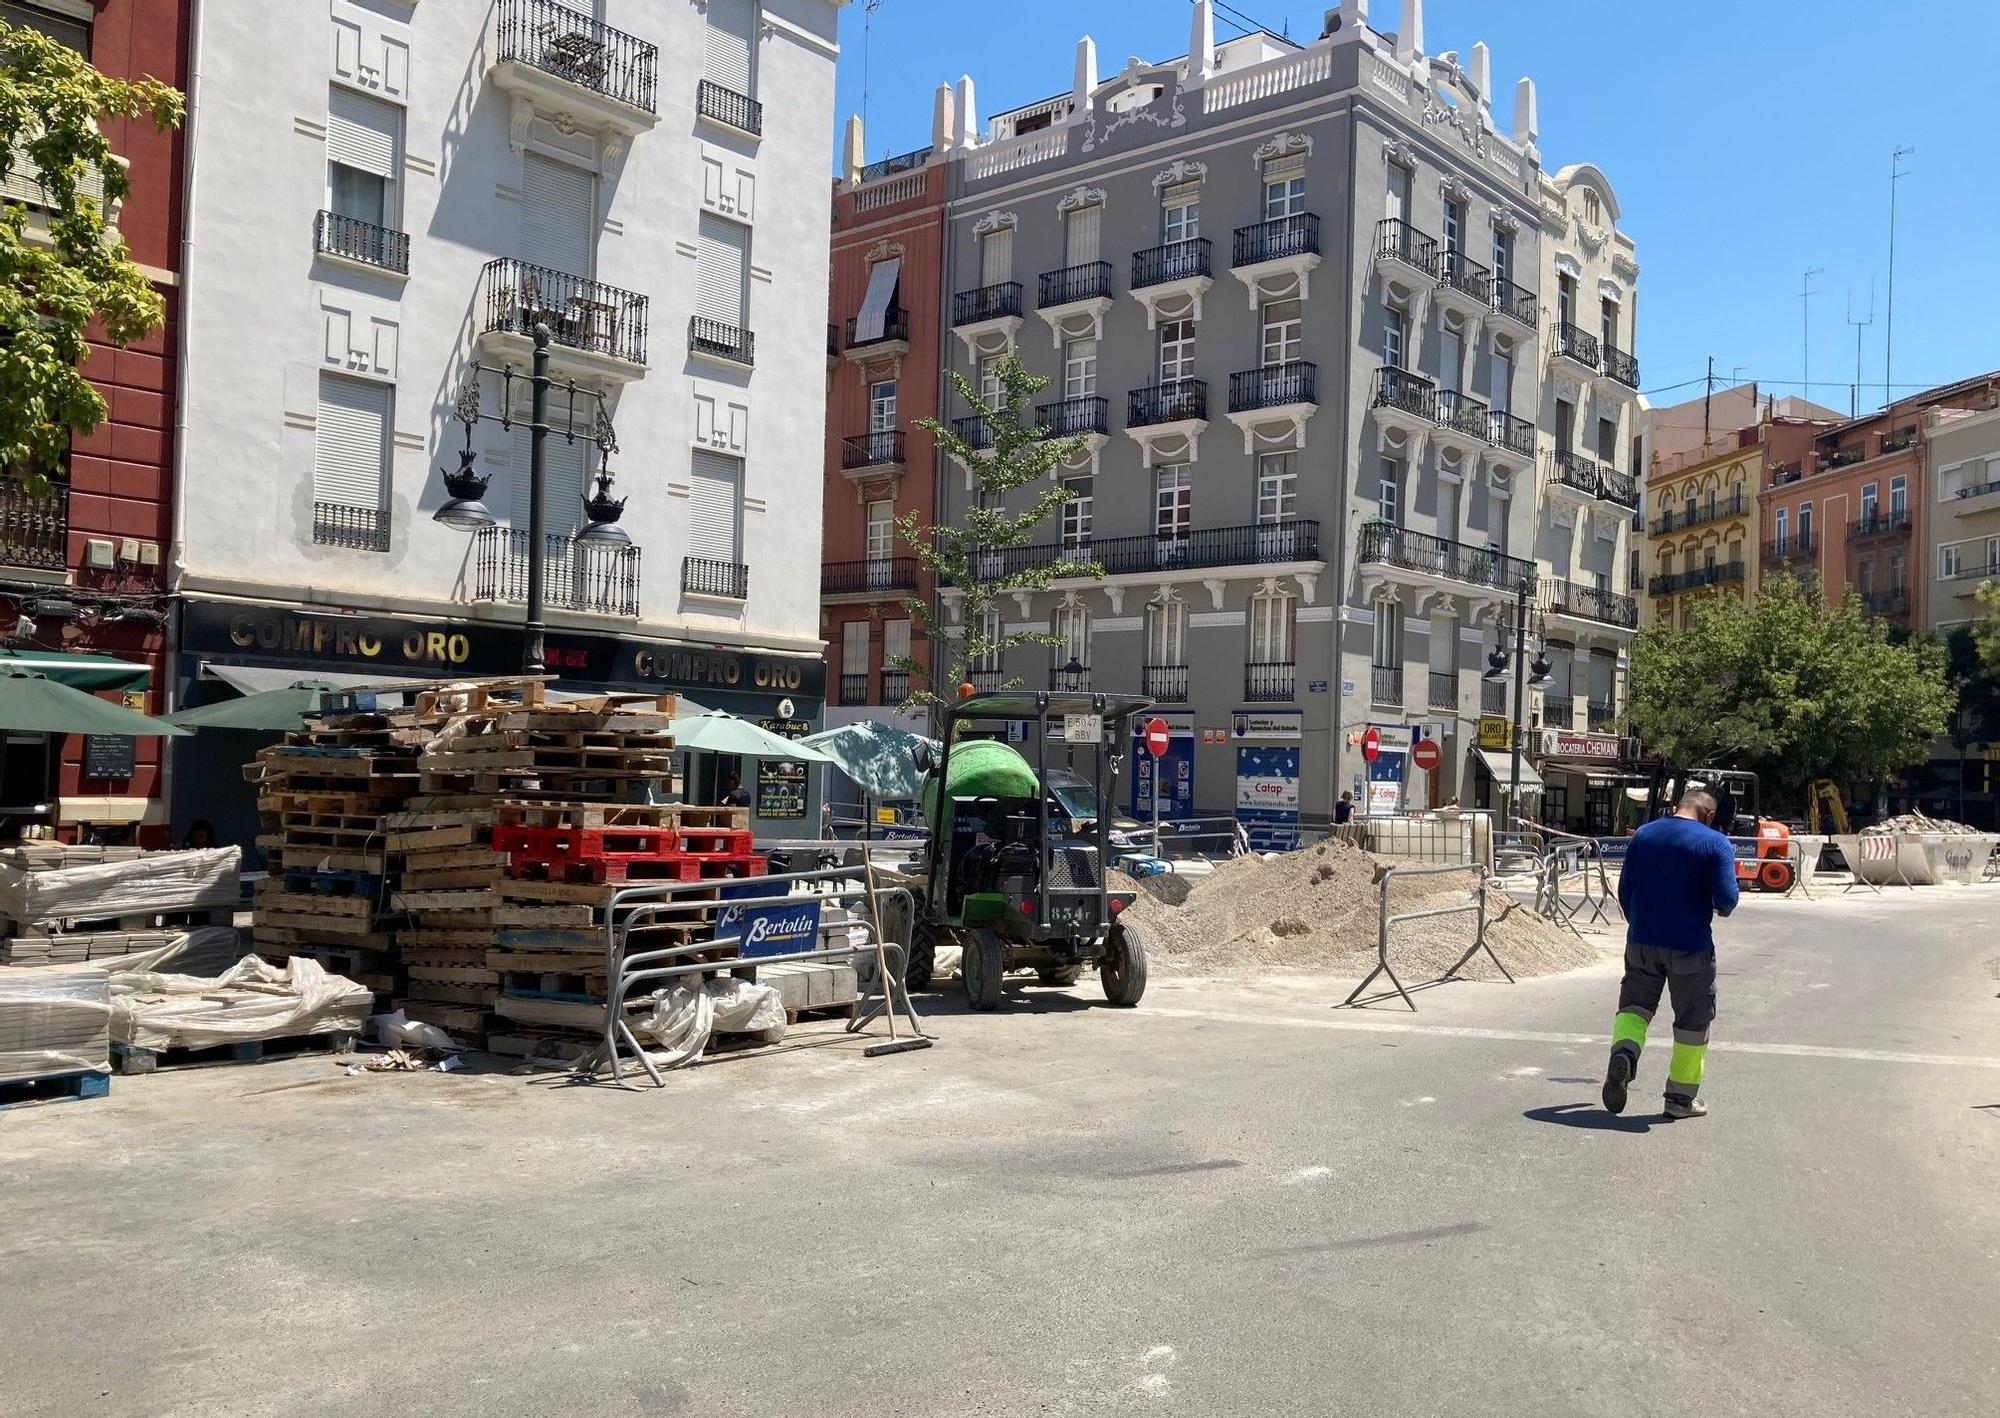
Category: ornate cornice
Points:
column 883, row 250
column 1399, row 151
column 1181, row 171
column 1280, row 145
column 1081, row 197
column 994, row 221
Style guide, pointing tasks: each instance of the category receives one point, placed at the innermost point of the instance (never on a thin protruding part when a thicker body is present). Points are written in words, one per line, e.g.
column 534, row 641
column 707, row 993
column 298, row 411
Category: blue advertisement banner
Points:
column 1267, row 797
column 782, row 929
column 1176, row 769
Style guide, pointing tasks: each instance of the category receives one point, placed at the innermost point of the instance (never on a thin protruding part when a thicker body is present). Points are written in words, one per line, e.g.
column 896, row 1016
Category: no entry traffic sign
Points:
column 1157, row 741
column 1371, row 745
column 1424, row 753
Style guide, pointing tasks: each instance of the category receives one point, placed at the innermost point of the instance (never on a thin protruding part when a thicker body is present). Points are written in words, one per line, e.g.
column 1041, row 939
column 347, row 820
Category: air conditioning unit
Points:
column 149, row 553
column 99, row 554
column 128, row 549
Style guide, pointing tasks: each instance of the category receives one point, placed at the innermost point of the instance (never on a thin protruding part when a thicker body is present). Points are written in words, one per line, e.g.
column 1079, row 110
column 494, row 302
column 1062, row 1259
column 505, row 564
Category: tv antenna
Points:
column 1854, row 397
column 1806, row 293
column 867, row 24
column 1897, row 172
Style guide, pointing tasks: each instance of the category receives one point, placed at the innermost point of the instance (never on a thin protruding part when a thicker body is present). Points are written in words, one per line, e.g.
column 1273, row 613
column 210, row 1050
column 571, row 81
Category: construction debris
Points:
column 252, row 1001
column 1918, row 822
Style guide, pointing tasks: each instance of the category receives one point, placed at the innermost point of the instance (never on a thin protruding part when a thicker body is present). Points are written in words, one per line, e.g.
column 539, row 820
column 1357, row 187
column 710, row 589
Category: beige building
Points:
column 1963, row 548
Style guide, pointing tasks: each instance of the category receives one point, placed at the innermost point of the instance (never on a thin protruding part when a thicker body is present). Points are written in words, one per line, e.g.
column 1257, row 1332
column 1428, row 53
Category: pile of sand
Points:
column 1317, row 910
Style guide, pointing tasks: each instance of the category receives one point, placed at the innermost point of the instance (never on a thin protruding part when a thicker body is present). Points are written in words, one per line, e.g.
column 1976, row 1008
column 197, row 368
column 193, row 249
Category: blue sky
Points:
column 1747, row 141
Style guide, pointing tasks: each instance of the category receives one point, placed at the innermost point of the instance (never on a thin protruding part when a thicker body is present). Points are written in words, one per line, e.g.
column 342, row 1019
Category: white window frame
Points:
column 1454, row 226
column 1503, row 254
column 1273, row 628
column 1166, row 633
column 373, row 392
column 991, row 628
column 1389, row 492
column 1386, row 649
column 1284, row 197
column 1180, row 218
column 1070, row 625
column 1176, row 350
column 1395, row 337
column 1277, row 488
column 1805, row 524
column 849, row 644
column 1282, row 328
column 1173, row 502
column 1078, row 512
column 879, row 529
column 1080, row 367
column 1899, row 495
column 881, row 406
column 1871, row 501
column 391, row 167
column 1781, row 530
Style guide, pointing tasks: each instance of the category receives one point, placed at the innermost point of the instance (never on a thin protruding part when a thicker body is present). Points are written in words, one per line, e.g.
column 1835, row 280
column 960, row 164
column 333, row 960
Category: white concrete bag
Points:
column 252, row 999
column 683, row 1017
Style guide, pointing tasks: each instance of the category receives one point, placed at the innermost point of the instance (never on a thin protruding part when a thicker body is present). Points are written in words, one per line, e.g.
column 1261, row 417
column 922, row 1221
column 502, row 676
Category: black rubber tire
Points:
column 1122, row 972
column 983, row 967
column 1059, row 974
column 922, row 964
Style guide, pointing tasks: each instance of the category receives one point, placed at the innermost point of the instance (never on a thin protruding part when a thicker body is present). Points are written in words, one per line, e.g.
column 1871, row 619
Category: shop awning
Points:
column 873, row 317
column 260, row 679
column 79, row 671
column 1501, row 766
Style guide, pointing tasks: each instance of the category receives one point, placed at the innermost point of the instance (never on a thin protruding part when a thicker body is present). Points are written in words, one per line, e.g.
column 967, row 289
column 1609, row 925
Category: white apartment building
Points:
column 381, row 195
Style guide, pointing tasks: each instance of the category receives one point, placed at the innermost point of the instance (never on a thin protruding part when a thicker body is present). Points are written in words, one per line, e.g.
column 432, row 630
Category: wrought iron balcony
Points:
column 986, row 681
column 1614, row 486
column 1559, row 711
column 356, row 528
column 1492, row 696
column 1444, row 689
column 1388, row 545
column 1091, row 281
column 1463, row 413
column 854, row 689
column 1397, row 240
column 895, row 686
column 1386, row 684
column 975, row 429
column 1881, row 524
column 1065, row 418
column 1176, row 261
column 1269, row 681
column 1274, row 386
column 1558, row 597
column 872, row 450
column 1171, row 402
column 580, row 314
column 720, row 341
column 1893, row 603
column 734, row 110
column 1673, row 582
column 1577, row 344
column 576, row 575
column 1400, row 389
column 34, row 531
column 1601, row 717
column 1276, row 239
column 705, row 576
column 889, row 167
column 1800, row 547
column 1167, row 684
column 1713, row 510
column 883, row 573
column 1570, row 469
column 1515, row 302
column 895, row 327
column 1266, row 544
column 970, row 307
column 1513, row 434
column 1622, row 367
column 1460, row 272
column 352, row 239
column 1066, row 680
column 579, row 48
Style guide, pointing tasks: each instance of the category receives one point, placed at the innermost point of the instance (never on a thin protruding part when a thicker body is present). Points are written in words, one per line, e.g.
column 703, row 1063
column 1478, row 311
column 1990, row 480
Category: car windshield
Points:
column 1078, row 797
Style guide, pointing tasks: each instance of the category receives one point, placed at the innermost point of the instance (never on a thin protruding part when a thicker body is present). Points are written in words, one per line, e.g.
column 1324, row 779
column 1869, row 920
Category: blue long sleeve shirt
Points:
column 1677, row 874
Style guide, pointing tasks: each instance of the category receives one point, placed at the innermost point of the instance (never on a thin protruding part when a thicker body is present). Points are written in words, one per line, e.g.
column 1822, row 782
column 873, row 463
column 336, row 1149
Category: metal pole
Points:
column 1896, row 175
column 538, row 432
column 1520, row 694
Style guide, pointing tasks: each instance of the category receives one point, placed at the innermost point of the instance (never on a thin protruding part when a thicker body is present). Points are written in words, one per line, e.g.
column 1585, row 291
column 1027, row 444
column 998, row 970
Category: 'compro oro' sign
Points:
column 313, row 638
column 719, row 668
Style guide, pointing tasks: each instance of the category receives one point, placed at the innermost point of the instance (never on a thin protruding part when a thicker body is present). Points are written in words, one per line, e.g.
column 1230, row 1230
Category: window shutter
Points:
column 1285, row 169
column 854, row 648
column 351, row 446
column 361, row 132
column 996, row 257
column 722, row 267
column 895, row 641
column 1181, row 194
column 558, row 215
column 565, row 470
column 716, row 497
column 727, row 44
column 1083, row 234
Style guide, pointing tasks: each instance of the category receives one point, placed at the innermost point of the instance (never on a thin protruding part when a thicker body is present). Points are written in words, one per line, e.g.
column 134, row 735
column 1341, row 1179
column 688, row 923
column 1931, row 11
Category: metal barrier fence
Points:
column 1476, row 907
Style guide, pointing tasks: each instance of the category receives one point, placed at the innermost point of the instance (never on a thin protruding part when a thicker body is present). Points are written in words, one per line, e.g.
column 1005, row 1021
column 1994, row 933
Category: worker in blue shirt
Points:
column 1679, row 873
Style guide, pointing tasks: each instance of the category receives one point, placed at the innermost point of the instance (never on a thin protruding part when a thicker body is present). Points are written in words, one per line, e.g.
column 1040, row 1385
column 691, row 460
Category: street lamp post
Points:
column 465, row 507
column 1535, row 674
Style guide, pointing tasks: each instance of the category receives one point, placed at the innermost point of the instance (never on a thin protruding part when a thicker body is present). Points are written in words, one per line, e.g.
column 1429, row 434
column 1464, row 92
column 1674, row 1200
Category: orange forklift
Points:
column 1766, row 866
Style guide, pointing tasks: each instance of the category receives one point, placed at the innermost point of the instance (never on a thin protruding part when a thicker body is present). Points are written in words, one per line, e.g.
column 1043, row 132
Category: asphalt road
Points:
column 1234, row 1200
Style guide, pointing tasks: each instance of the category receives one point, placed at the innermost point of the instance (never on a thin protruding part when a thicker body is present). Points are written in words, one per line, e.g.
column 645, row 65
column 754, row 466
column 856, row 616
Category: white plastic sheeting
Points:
column 683, row 1017
column 252, row 999
column 157, row 881
column 53, row 1021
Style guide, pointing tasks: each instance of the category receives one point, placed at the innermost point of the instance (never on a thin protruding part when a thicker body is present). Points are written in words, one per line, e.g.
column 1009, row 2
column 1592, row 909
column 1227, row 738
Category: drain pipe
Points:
column 178, row 492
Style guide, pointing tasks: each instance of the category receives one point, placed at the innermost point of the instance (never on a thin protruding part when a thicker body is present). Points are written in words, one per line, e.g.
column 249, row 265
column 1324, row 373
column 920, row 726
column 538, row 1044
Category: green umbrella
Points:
column 716, row 732
column 271, row 710
column 30, row 704
column 877, row 756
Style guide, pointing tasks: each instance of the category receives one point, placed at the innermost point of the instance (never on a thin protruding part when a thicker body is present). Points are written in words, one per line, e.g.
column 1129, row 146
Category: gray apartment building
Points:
column 1353, row 369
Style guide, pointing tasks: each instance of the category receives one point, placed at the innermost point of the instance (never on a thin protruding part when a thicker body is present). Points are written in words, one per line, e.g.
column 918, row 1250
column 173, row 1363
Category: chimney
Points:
column 1086, row 80
column 1410, row 34
column 852, row 159
column 968, row 114
column 943, row 134
column 1201, row 43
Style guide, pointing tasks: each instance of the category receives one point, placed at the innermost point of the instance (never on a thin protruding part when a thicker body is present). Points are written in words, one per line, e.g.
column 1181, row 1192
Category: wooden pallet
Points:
column 129, row 1058
column 49, row 1087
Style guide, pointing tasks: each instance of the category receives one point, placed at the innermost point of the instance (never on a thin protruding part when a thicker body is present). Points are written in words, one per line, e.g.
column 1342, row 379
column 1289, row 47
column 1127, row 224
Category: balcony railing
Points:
column 1065, row 418
column 1264, row 545
column 1886, row 603
column 1176, row 261
column 895, row 326
column 581, row 49
column 738, row 111
column 1273, row 240
column 1273, row 386
column 1071, row 284
column 1882, row 524
column 1614, row 486
column 969, row 307
column 1783, row 473
column 986, row 681
column 705, row 576
column 1397, row 240
column 889, row 167
column 1572, row 598
column 1843, row 457
column 1444, row 689
column 1460, row 272
column 576, row 575
column 1978, row 489
column 1514, row 301
column 1400, row 389
column 1463, row 413
column 872, row 450
column 882, row 573
column 1699, row 514
column 1801, row 547
column 1168, row 684
column 1898, row 441
column 1172, row 402
column 1673, row 582
column 854, row 689
column 713, row 338
column 1602, row 718
column 895, row 686
column 356, row 528
column 1386, row 684
column 1577, row 344
column 975, row 429
column 1389, row 545
column 352, row 239
column 1069, row 681
column 1515, row 435
column 580, row 314
column 1559, row 711
column 1269, row 681
column 1622, row 367
column 1570, row 469
column 34, row 531
column 1492, row 696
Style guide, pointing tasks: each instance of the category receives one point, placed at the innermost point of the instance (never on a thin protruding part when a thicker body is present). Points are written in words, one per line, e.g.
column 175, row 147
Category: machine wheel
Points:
column 1775, row 877
column 923, row 951
column 1123, row 969
column 1059, row 974
column 983, row 965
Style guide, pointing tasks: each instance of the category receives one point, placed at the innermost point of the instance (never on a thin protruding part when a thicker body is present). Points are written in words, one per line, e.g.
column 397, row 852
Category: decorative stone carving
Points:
column 883, row 250
column 1081, row 197
column 995, row 221
column 1178, row 172
column 1400, row 152
column 1280, row 145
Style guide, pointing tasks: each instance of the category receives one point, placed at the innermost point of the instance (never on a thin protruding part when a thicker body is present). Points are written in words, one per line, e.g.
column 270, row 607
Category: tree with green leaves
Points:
column 61, row 275
column 968, row 559
column 1986, row 633
column 1789, row 687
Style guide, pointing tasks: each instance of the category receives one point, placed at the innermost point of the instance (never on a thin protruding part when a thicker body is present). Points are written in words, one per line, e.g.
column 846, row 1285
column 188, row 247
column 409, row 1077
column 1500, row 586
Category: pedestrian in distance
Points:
column 1679, row 873
column 738, row 795
column 1343, row 811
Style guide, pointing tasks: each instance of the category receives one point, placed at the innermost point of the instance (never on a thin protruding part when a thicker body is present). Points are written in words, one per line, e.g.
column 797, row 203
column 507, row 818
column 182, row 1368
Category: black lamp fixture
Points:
column 601, row 510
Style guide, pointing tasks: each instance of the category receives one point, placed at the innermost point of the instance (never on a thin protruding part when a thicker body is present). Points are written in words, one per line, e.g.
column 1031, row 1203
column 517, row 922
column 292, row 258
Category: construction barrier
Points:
column 1475, row 907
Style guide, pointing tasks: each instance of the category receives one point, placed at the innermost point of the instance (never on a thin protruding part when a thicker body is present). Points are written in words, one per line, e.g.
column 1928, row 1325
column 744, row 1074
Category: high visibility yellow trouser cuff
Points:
column 1684, row 1069
column 1629, row 1028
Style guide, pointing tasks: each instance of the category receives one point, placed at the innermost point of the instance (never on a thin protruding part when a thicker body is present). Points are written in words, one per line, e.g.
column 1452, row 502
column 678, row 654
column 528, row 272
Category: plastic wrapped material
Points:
column 53, row 1021
column 156, row 881
column 206, row 950
column 253, row 999
column 398, row 1031
column 684, row 1017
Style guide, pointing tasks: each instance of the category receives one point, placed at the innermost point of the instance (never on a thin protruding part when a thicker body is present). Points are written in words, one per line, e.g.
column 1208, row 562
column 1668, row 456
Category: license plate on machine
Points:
column 1071, row 914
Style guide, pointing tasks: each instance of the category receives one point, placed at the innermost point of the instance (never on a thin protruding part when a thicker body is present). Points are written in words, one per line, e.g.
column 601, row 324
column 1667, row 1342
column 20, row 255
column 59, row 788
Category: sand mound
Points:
column 1316, row 910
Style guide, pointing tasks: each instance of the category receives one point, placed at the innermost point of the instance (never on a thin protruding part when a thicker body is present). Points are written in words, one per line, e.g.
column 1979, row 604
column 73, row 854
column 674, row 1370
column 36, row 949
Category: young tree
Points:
column 968, row 558
column 55, row 283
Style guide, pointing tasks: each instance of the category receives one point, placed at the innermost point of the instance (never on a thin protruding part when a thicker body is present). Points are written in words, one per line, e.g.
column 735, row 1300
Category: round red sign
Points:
column 1424, row 753
column 1371, row 745
column 1156, row 737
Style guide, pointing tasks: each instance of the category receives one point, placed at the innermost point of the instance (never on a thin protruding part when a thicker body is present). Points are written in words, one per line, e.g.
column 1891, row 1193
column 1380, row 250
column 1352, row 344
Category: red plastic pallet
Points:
column 609, row 843
column 685, row 866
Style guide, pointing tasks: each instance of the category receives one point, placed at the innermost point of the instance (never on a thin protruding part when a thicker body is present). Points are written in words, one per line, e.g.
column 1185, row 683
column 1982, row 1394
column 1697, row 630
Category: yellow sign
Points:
column 135, row 699
column 885, row 816
column 1494, row 732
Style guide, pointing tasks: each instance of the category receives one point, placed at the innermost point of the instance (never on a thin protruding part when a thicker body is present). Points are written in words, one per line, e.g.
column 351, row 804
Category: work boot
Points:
column 1684, row 1107
column 1616, row 1077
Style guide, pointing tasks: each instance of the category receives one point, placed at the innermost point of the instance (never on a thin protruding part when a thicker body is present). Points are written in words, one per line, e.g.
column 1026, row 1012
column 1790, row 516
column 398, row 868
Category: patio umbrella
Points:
column 30, row 704
column 272, row 710
column 877, row 756
column 716, row 732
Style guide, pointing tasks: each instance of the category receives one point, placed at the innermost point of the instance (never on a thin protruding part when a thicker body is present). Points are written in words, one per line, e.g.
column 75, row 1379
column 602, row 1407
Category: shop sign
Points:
column 781, row 790
column 1175, row 767
column 1267, row 797
column 1284, row 725
column 1597, row 748
column 1494, row 731
column 392, row 644
column 698, row 667
column 790, row 929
